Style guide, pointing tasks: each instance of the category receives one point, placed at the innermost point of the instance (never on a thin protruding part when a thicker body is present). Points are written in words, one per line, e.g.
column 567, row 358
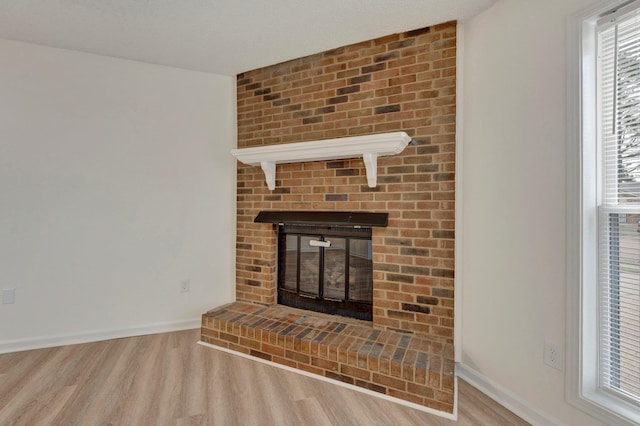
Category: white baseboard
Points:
column 505, row 397
column 96, row 335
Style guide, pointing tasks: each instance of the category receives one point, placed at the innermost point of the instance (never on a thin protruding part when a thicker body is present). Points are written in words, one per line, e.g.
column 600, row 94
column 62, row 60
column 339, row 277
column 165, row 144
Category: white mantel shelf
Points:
column 369, row 147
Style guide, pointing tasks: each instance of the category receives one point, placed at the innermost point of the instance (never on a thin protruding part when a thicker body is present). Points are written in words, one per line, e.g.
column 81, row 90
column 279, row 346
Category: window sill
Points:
column 607, row 408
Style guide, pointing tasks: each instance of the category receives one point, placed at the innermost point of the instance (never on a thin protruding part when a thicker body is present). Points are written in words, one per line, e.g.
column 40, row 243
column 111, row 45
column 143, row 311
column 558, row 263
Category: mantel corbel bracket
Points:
column 369, row 147
column 269, row 169
column 371, row 166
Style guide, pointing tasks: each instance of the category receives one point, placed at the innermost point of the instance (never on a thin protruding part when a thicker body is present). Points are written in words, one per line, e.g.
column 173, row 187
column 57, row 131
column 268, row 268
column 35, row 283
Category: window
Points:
column 603, row 344
column 618, row 73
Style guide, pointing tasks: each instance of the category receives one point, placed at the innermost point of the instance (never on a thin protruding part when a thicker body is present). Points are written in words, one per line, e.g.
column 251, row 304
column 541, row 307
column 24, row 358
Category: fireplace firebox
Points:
column 326, row 269
column 325, row 260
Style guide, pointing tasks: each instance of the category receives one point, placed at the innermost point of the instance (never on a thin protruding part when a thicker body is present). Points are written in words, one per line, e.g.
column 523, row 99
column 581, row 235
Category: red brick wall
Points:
column 404, row 82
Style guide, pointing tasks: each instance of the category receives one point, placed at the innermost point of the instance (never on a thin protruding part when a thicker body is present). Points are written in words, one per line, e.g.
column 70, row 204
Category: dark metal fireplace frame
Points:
column 320, row 302
column 323, row 225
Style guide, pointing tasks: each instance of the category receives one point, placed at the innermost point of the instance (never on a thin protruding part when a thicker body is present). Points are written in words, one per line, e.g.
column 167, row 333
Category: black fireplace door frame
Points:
column 319, row 303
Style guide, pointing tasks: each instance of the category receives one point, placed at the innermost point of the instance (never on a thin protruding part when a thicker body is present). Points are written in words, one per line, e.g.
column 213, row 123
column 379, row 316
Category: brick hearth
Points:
column 396, row 364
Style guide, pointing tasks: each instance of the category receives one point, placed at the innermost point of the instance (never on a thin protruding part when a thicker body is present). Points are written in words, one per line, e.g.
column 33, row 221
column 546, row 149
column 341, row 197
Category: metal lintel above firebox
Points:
column 337, row 218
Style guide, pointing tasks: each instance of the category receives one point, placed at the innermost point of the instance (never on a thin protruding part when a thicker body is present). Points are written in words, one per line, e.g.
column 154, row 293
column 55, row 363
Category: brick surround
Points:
column 403, row 82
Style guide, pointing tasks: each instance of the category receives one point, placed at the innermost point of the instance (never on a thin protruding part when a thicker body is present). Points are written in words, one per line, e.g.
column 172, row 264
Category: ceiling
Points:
column 219, row 36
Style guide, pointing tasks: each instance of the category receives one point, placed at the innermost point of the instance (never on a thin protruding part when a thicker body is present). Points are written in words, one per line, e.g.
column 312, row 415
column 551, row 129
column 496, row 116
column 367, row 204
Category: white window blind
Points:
column 619, row 205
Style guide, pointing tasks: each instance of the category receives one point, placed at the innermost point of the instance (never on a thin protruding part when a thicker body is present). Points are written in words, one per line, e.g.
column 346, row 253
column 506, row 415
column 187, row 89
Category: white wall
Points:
column 116, row 183
column 514, row 161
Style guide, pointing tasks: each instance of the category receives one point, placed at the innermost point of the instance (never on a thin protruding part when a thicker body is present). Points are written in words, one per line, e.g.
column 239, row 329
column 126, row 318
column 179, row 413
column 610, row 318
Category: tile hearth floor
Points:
column 397, row 364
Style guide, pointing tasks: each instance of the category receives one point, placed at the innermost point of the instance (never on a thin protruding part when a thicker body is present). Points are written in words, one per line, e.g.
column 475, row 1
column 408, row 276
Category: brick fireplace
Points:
column 403, row 82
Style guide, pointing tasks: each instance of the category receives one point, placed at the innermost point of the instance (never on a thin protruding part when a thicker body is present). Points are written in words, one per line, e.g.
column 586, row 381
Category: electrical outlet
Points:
column 185, row 285
column 8, row 296
column 552, row 355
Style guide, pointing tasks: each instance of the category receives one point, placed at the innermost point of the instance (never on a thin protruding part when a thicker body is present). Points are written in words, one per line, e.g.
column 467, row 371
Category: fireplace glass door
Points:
column 326, row 269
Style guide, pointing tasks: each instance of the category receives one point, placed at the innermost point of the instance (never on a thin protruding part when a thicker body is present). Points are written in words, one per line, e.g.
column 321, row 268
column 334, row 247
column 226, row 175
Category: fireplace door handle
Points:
column 318, row 243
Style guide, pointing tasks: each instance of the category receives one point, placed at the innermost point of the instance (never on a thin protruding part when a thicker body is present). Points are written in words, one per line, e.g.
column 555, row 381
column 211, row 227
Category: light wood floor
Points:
column 167, row 379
